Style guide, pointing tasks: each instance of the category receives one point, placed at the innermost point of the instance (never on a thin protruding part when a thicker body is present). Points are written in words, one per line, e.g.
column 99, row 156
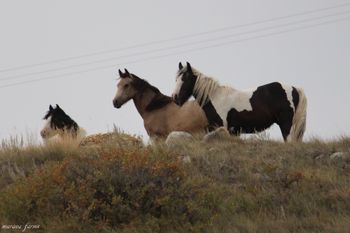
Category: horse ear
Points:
column 126, row 72
column 180, row 66
column 50, row 108
column 120, row 73
column 57, row 106
column 189, row 68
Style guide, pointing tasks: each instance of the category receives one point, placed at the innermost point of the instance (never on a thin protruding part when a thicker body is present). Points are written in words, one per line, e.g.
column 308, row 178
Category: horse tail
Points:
column 299, row 119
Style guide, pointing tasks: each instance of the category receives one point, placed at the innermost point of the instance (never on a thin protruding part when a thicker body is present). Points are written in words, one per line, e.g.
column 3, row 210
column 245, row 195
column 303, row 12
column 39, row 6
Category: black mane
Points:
column 159, row 101
column 60, row 120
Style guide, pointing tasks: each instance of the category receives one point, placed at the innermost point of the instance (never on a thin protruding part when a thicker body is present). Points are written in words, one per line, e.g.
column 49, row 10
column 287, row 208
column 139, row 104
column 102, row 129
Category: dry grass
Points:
column 231, row 185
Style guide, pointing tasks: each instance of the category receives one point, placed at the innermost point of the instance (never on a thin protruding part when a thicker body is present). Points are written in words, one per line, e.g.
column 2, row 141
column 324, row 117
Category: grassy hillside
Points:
column 231, row 185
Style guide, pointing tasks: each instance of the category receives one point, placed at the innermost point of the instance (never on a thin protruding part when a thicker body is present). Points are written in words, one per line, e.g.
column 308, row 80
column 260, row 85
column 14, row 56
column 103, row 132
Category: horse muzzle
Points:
column 43, row 134
column 116, row 104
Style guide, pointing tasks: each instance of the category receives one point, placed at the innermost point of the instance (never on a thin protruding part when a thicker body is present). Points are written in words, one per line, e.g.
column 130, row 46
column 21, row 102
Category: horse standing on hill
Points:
column 160, row 114
column 61, row 127
column 58, row 123
column 244, row 111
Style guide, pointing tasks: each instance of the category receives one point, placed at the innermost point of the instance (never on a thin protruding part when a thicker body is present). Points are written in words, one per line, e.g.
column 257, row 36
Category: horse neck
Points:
column 143, row 99
column 204, row 88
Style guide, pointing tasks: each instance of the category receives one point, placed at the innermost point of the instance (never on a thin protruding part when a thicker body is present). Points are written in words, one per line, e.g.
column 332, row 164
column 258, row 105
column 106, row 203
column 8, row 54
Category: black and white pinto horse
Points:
column 244, row 111
column 59, row 124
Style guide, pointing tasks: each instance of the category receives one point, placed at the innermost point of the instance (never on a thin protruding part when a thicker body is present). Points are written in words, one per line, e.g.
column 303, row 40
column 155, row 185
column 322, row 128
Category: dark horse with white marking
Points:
column 244, row 111
column 59, row 123
column 160, row 114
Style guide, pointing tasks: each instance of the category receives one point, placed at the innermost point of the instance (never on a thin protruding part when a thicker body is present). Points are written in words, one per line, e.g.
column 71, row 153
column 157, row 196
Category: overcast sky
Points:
column 316, row 58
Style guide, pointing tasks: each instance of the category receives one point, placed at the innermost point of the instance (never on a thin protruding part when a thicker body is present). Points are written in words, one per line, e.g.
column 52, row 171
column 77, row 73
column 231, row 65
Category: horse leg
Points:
column 210, row 128
column 285, row 122
column 235, row 131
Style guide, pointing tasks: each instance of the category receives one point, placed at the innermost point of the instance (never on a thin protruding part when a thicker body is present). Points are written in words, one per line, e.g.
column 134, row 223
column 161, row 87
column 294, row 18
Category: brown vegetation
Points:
column 230, row 185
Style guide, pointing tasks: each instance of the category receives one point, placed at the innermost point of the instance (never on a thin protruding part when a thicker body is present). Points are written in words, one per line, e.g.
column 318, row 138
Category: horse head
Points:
column 57, row 122
column 185, row 82
column 125, row 89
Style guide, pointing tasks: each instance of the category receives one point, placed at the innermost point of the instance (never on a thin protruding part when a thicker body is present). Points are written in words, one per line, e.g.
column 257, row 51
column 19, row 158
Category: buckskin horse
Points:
column 160, row 114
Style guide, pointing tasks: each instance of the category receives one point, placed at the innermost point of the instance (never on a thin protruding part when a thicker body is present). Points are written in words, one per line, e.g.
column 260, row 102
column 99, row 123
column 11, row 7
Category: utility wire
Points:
column 175, row 46
column 176, row 53
column 175, row 38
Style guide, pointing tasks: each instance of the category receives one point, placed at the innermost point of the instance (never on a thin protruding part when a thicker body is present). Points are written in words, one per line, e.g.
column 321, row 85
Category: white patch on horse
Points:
column 47, row 132
column 289, row 90
column 227, row 98
column 48, row 122
column 178, row 85
column 223, row 98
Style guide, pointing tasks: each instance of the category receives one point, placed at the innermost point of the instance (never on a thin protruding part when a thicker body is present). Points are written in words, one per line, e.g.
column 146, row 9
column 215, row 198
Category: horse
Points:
column 159, row 112
column 249, row 111
column 62, row 128
column 59, row 124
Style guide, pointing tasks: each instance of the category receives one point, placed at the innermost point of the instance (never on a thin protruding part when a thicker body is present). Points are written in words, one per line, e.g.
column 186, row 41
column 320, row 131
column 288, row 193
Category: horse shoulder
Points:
column 156, row 123
column 226, row 99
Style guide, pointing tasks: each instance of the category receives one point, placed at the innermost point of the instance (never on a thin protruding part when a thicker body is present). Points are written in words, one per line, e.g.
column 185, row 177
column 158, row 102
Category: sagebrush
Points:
column 232, row 185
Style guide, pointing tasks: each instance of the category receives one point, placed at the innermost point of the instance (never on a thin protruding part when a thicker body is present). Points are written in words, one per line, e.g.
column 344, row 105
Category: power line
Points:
column 175, row 38
column 175, row 46
column 176, row 53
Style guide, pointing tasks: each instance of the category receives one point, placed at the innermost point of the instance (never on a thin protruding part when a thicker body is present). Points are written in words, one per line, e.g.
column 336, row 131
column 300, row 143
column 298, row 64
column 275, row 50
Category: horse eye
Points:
column 126, row 85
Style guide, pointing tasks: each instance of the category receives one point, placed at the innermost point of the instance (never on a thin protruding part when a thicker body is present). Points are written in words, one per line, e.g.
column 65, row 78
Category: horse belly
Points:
column 247, row 121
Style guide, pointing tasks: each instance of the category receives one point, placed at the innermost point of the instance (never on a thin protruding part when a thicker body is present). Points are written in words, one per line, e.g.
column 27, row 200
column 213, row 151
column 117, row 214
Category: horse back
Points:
column 269, row 104
column 272, row 98
column 162, row 121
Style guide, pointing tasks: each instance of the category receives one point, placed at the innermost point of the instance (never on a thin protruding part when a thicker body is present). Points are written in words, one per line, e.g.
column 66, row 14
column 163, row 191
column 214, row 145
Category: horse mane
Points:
column 204, row 87
column 72, row 124
column 61, row 119
column 159, row 101
column 141, row 84
column 47, row 115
